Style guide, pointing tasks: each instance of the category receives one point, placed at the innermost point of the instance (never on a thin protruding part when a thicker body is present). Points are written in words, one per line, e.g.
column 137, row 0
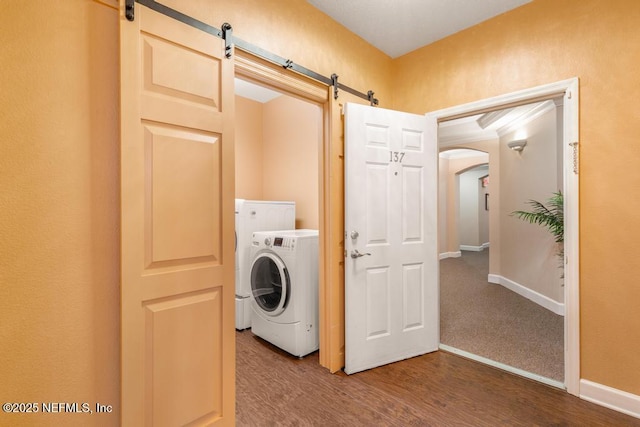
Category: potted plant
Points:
column 550, row 216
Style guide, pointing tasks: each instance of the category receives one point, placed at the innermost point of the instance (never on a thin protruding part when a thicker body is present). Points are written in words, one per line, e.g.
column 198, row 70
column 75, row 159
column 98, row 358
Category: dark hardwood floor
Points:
column 438, row 389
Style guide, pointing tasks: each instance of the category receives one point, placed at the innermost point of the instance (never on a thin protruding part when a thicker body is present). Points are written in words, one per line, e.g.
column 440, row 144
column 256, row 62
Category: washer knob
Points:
column 267, row 241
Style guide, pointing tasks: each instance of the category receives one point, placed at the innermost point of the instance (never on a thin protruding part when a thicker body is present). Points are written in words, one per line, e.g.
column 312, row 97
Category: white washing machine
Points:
column 284, row 289
column 255, row 215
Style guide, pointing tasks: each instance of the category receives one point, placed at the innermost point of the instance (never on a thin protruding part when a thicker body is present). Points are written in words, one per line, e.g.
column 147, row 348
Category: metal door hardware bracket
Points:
column 371, row 99
column 227, row 35
column 129, row 10
column 334, row 83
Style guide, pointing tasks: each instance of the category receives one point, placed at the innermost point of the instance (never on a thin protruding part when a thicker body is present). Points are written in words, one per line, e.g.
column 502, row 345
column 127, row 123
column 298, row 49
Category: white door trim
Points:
column 568, row 88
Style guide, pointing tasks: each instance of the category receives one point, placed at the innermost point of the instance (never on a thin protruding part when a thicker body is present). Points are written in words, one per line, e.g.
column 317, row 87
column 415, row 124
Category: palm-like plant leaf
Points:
column 551, row 217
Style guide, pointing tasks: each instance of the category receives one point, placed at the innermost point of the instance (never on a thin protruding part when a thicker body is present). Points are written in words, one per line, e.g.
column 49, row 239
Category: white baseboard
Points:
column 444, row 255
column 472, row 248
column 538, row 298
column 611, row 398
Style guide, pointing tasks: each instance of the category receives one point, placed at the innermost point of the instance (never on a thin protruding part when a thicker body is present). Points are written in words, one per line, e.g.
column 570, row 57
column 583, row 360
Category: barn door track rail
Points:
column 231, row 41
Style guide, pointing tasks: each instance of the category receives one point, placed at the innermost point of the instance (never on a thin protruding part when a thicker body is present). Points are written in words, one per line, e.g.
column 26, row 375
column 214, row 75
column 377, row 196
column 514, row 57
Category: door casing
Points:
column 570, row 139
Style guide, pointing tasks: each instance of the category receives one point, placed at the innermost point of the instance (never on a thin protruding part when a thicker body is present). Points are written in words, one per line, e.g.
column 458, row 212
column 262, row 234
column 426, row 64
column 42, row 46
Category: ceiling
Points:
column 255, row 92
column 397, row 27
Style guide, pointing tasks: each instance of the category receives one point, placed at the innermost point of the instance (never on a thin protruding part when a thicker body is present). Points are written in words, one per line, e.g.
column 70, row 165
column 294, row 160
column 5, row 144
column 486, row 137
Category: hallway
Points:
column 491, row 321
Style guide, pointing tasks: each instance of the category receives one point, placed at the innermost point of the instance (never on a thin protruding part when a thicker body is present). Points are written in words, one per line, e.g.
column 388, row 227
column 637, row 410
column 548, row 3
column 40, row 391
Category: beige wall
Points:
column 443, row 208
column 529, row 252
column 277, row 156
column 471, row 208
column 448, row 203
column 543, row 42
column 248, row 144
column 59, row 209
column 292, row 142
column 450, row 230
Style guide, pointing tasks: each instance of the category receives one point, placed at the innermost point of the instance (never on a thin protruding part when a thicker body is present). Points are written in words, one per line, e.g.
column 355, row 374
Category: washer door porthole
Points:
column 270, row 283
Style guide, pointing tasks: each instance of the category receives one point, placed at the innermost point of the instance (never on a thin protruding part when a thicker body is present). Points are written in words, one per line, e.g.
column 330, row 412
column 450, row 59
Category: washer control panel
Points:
column 288, row 243
column 280, row 242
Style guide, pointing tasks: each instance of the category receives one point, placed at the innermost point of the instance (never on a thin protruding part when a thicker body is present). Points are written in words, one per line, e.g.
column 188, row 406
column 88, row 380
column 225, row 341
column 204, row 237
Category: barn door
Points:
column 177, row 218
column 391, row 265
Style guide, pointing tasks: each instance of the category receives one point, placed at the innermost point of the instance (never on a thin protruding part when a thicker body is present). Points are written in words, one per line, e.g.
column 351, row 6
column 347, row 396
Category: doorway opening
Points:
column 279, row 139
column 507, row 176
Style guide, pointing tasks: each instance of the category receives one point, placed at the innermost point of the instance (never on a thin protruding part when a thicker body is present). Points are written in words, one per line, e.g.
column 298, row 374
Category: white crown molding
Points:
column 487, row 119
column 526, row 118
column 460, row 153
column 467, row 138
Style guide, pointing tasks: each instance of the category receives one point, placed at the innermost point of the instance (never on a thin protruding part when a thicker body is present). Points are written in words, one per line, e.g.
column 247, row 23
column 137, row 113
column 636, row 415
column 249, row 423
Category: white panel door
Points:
column 391, row 265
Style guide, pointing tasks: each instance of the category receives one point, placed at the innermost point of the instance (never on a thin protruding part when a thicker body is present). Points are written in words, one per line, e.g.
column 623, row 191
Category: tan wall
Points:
column 543, row 42
column 277, row 153
column 248, row 145
column 59, row 209
column 292, row 142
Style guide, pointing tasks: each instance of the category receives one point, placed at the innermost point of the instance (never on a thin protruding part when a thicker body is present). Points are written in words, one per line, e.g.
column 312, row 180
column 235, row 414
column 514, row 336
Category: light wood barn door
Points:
column 177, row 217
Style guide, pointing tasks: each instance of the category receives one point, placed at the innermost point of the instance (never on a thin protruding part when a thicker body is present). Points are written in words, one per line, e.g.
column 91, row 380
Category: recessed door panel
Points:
column 413, row 296
column 412, row 139
column 377, row 303
column 183, row 193
column 377, row 204
column 412, row 204
column 182, row 383
column 165, row 62
column 377, row 136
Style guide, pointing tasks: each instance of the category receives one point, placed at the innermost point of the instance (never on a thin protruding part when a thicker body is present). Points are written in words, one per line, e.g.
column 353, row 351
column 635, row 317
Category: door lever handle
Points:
column 356, row 254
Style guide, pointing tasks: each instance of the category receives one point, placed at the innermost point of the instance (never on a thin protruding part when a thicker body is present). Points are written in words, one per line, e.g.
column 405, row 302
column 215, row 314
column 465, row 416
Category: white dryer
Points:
column 284, row 289
column 255, row 215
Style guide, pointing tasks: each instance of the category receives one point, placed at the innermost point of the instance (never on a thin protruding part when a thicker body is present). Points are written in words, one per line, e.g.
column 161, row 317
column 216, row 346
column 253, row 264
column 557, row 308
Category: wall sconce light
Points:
column 517, row 145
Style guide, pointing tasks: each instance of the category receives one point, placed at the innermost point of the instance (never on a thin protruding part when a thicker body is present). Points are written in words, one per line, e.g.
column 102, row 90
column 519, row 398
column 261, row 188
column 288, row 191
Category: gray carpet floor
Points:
column 491, row 321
